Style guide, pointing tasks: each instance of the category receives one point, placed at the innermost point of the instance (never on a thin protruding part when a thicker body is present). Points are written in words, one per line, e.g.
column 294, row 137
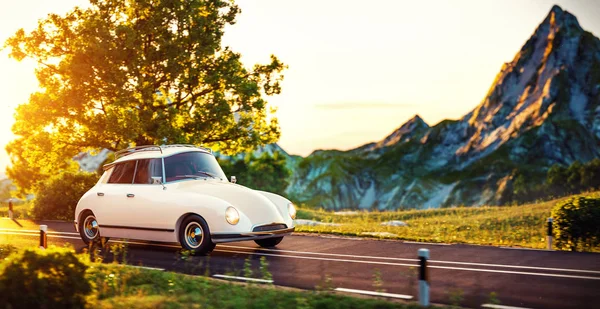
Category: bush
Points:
column 52, row 278
column 57, row 198
column 576, row 223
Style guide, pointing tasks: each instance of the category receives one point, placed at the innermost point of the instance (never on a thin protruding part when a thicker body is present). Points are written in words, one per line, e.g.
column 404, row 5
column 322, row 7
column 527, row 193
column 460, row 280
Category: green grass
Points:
column 523, row 226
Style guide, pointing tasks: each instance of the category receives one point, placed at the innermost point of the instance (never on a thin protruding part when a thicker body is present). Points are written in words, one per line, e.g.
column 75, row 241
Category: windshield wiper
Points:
column 187, row 176
column 208, row 174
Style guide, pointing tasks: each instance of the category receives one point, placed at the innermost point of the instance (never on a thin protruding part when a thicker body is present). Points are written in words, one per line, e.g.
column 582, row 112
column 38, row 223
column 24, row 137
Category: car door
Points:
column 113, row 203
column 147, row 200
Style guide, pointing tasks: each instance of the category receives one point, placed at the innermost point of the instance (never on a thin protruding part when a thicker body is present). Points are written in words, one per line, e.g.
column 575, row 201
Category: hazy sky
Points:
column 357, row 69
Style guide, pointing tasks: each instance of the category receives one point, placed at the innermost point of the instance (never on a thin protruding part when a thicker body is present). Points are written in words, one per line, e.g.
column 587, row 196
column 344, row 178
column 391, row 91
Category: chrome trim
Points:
column 164, row 174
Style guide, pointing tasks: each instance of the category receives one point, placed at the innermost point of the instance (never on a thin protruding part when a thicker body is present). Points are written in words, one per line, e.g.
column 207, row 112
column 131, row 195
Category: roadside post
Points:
column 549, row 233
column 10, row 209
column 423, row 278
column 43, row 236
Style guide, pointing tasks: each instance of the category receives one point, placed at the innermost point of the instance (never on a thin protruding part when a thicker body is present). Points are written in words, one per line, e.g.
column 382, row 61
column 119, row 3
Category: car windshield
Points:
column 192, row 165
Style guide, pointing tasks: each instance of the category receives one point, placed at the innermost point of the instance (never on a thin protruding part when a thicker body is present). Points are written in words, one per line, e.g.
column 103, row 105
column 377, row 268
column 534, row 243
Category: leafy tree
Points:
column 57, row 197
column 590, row 175
column 5, row 189
column 265, row 172
column 556, row 180
column 122, row 73
column 574, row 177
column 576, row 221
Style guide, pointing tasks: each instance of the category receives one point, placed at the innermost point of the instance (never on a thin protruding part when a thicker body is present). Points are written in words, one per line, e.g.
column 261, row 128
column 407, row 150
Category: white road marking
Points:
column 372, row 262
column 500, row 307
column 38, row 235
column 426, row 243
column 321, row 259
column 401, row 296
column 324, row 254
column 243, row 278
column 145, row 267
column 530, row 249
column 413, row 265
column 37, row 231
column 518, row 266
column 416, row 260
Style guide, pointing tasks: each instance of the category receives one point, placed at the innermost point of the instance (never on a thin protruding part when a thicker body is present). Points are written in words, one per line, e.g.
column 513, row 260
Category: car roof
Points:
column 153, row 152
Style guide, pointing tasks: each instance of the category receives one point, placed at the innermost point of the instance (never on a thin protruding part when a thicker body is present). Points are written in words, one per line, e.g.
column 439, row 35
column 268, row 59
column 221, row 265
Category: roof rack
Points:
column 187, row 145
column 130, row 150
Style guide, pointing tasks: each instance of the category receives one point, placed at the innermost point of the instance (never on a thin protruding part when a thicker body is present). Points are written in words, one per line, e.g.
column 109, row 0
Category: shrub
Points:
column 576, row 223
column 52, row 278
column 57, row 198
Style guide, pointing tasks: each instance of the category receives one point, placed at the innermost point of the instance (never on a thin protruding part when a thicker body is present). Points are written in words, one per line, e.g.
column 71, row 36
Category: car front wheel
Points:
column 194, row 235
column 269, row 242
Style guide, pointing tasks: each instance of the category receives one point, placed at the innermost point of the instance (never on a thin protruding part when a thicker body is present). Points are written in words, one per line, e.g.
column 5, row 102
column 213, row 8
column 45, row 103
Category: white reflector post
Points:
column 423, row 278
column 43, row 237
column 549, row 233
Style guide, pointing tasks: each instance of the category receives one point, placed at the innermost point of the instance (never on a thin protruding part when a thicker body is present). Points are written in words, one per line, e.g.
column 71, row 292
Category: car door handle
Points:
column 100, row 194
column 130, row 195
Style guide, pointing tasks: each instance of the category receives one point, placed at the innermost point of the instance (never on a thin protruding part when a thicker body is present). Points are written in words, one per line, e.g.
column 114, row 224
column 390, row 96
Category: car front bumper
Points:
column 228, row 237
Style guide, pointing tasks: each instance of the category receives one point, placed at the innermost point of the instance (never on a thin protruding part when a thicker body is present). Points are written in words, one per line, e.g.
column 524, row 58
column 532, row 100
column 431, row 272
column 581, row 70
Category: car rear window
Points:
column 123, row 172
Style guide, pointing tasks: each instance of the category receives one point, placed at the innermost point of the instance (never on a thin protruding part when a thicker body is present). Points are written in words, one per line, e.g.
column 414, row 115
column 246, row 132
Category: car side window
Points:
column 123, row 172
column 146, row 169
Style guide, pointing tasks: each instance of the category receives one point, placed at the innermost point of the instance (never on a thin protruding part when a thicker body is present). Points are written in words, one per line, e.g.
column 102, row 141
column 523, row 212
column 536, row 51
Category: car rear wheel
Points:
column 194, row 235
column 269, row 242
column 89, row 229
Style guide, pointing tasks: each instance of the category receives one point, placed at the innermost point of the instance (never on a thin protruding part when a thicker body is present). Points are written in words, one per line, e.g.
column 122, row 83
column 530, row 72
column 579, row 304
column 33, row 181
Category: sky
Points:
column 357, row 69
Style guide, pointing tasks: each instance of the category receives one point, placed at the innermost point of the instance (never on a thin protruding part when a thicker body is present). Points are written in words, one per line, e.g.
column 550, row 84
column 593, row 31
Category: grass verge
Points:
column 523, row 226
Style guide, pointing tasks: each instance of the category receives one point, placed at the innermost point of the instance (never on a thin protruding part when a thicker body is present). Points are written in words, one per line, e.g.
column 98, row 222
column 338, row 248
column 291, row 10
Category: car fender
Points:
column 282, row 205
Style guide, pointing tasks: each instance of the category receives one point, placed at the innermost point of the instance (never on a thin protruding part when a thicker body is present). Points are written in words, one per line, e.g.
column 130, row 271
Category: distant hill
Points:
column 543, row 108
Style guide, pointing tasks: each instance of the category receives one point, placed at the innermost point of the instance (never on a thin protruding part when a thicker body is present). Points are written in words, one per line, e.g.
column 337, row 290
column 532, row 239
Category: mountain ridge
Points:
column 543, row 108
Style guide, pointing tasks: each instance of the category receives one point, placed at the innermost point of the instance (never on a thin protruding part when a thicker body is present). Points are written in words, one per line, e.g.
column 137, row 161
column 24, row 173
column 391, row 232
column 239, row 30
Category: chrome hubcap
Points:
column 193, row 235
column 90, row 227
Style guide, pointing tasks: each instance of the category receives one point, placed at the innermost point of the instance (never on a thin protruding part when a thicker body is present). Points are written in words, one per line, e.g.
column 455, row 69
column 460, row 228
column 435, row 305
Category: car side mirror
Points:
column 233, row 179
column 157, row 180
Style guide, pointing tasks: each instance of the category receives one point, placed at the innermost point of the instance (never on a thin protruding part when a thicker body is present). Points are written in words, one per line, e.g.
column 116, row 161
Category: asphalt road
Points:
column 520, row 278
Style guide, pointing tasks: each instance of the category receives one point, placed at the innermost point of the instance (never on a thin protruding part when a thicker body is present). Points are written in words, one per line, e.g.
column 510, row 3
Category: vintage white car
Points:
column 179, row 193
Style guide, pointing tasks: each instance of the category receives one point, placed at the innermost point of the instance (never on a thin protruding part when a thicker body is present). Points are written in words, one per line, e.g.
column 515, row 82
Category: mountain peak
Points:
column 559, row 18
column 556, row 9
column 408, row 130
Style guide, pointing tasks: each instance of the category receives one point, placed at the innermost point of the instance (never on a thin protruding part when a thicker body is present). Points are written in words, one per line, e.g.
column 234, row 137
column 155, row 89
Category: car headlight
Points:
column 232, row 216
column 292, row 210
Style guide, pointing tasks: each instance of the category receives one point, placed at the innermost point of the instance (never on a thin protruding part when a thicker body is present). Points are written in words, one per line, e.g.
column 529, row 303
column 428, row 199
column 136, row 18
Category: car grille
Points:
column 269, row 227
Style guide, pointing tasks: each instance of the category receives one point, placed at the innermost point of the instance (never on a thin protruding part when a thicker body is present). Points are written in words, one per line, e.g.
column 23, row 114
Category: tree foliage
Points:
column 576, row 223
column 123, row 73
column 265, row 172
column 57, row 197
column 560, row 181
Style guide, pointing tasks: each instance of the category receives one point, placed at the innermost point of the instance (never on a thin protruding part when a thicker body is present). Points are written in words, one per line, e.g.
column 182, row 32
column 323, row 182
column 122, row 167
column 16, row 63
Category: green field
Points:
column 523, row 226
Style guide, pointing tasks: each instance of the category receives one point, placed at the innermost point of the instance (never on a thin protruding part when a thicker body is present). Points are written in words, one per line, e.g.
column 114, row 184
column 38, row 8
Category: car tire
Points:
column 190, row 228
column 269, row 242
column 89, row 229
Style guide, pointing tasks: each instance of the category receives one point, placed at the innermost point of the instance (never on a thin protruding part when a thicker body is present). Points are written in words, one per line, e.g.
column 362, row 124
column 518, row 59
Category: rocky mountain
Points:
column 543, row 108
